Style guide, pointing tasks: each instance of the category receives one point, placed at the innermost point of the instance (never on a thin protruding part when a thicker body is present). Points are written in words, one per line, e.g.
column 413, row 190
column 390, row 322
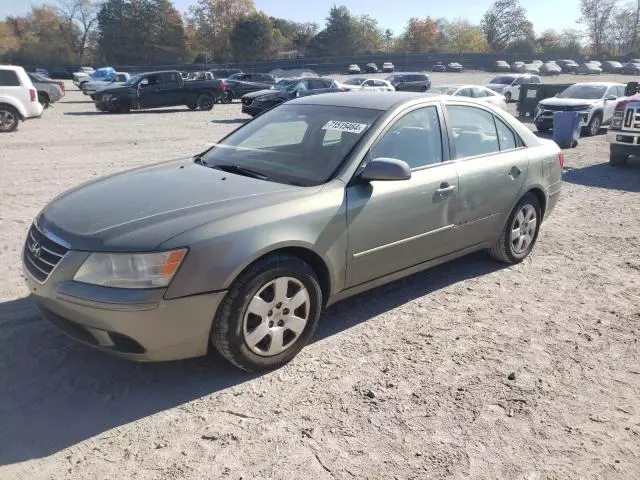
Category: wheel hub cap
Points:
column 523, row 229
column 276, row 316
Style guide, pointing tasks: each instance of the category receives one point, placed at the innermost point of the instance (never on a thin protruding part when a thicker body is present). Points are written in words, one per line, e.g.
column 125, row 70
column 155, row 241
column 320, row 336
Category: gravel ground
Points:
column 469, row 370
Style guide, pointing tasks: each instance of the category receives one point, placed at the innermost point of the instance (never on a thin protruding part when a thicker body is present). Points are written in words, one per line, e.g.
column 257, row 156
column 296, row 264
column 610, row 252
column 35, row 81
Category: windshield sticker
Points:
column 345, row 126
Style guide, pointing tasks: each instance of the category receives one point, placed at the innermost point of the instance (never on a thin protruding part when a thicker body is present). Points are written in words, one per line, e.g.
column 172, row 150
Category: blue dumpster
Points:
column 566, row 129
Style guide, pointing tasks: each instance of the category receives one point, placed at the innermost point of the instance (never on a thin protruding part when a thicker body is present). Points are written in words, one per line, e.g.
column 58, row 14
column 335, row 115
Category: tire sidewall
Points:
column 531, row 199
column 596, row 117
column 239, row 303
column 203, row 96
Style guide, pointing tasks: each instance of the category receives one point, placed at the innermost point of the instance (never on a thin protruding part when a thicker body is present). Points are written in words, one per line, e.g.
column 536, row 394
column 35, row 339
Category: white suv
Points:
column 509, row 84
column 18, row 98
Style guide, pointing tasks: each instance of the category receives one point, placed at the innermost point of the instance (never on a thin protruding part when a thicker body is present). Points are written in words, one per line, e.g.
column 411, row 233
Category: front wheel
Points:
column 205, row 101
column 594, row 125
column 520, row 232
column 269, row 314
column 423, row 89
column 9, row 119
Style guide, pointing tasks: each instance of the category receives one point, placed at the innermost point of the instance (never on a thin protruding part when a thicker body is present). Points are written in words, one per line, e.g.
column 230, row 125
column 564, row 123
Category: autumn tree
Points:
column 463, row 37
column 81, row 20
column 8, row 41
column 252, row 38
column 420, row 35
column 140, row 31
column 214, row 21
column 504, row 23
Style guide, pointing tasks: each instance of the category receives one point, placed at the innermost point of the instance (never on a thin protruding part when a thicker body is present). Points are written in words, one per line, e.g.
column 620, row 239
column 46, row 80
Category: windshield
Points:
column 584, row 92
column 300, row 145
column 443, row 90
column 503, row 80
column 132, row 80
column 354, row 81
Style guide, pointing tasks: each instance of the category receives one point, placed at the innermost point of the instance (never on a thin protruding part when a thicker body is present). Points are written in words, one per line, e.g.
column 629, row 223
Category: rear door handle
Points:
column 446, row 189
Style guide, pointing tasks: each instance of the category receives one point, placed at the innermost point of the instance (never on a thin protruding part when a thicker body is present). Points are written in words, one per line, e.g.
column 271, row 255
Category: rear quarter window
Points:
column 9, row 78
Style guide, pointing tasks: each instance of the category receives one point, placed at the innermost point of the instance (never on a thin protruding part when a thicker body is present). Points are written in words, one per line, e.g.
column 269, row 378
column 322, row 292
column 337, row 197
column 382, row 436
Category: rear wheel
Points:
column 43, row 99
column 9, row 119
column 520, row 232
column 423, row 89
column 617, row 159
column 205, row 101
column 269, row 314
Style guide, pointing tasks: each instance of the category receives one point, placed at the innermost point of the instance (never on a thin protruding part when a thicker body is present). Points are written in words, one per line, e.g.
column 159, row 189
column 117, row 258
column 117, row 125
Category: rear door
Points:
column 491, row 164
column 10, row 86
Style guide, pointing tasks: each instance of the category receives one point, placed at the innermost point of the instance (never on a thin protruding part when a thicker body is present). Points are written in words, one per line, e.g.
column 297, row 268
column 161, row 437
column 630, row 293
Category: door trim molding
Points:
column 404, row 240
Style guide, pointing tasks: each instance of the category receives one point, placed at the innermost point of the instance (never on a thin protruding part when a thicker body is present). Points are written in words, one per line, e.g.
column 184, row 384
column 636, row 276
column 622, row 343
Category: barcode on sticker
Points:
column 345, row 126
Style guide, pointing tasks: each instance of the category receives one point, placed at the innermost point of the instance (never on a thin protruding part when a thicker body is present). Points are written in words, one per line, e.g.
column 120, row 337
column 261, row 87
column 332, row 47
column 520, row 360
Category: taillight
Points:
column 223, row 86
column 34, row 95
column 561, row 160
column 61, row 85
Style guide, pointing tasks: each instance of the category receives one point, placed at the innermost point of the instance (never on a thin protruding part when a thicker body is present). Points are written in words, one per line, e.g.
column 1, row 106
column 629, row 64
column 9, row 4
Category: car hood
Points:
column 567, row 102
column 140, row 209
column 115, row 89
column 266, row 93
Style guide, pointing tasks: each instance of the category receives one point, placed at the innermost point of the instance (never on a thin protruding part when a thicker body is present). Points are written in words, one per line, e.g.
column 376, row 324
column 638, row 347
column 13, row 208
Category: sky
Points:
column 393, row 14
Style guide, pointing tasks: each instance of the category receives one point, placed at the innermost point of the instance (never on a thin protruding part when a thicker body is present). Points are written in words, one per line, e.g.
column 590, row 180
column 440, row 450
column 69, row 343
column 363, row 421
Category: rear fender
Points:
column 15, row 104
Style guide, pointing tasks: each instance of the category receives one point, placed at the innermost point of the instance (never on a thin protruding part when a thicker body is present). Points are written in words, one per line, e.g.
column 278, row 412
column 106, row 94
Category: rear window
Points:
column 9, row 78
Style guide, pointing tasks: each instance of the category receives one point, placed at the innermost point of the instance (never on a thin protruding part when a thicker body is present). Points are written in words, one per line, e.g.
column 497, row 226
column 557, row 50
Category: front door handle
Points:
column 446, row 189
column 514, row 172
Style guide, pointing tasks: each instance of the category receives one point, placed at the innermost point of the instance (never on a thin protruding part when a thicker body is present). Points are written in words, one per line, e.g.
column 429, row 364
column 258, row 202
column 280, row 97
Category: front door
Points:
column 491, row 164
column 395, row 225
column 609, row 105
column 149, row 94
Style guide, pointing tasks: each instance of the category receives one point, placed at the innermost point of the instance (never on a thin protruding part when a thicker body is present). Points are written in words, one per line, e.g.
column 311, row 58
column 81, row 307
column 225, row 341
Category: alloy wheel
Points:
column 595, row 126
column 523, row 229
column 8, row 120
column 276, row 316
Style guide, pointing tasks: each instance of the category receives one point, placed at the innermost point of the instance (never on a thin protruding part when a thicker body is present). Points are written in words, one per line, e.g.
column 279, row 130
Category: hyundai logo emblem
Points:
column 35, row 249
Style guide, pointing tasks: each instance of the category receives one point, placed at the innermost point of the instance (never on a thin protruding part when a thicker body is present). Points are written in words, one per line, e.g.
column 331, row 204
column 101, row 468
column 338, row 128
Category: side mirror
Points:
column 143, row 83
column 386, row 169
column 610, row 98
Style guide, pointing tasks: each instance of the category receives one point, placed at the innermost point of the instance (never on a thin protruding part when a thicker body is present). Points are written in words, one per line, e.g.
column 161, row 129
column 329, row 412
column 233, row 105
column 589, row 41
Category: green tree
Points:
column 214, row 21
column 294, row 34
column 388, row 38
column 504, row 23
column 252, row 38
column 140, row 31
column 463, row 37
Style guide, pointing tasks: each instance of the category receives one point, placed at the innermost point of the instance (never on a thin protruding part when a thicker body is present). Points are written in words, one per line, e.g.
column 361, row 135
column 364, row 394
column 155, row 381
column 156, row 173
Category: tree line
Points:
column 142, row 32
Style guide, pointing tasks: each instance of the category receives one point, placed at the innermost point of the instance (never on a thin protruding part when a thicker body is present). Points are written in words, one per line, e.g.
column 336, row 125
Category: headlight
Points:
column 130, row 270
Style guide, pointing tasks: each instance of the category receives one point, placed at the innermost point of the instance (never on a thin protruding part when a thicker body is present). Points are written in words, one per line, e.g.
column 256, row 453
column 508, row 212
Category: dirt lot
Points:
column 409, row 381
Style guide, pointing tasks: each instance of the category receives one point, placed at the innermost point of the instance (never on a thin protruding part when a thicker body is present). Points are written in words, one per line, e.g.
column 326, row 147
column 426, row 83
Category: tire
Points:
column 542, row 129
column 192, row 106
column 245, row 339
column 227, row 98
column 618, row 159
column 507, row 97
column 81, row 85
column 594, row 125
column 424, row 89
column 205, row 102
column 43, row 99
column 9, row 119
column 504, row 250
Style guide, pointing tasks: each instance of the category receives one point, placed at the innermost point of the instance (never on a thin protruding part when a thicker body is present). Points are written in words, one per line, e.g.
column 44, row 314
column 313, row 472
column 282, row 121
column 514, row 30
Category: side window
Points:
column 9, row 78
column 414, row 138
column 153, row 79
column 302, row 86
column 121, row 78
column 379, row 83
column 479, row 92
column 611, row 91
column 620, row 91
column 465, row 92
column 316, row 84
column 369, row 83
column 474, row 131
column 506, row 136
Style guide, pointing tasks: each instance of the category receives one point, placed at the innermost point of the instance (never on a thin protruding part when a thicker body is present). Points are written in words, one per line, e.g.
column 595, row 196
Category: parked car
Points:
column 595, row 62
column 224, row 72
column 353, row 69
column 49, row 91
column 316, row 200
column 611, row 66
column 90, row 88
column 18, row 98
column 588, row 68
column 624, row 133
column 61, row 73
column 410, row 82
column 84, row 73
column 509, row 85
column 43, row 72
column 439, row 67
column 157, row 89
column 538, row 63
column 567, row 66
column 550, row 69
column 631, row 68
column 103, row 73
column 371, row 68
column 477, row 92
column 362, row 83
column 454, row 67
column 595, row 101
column 532, row 69
column 500, row 66
column 239, row 84
column 388, row 67
column 518, row 67
column 255, row 103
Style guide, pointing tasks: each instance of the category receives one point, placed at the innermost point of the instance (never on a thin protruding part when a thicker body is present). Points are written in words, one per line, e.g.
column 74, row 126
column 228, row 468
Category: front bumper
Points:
column 138, row 325
column 545, row 118
column 253, row 109
column 624, row 142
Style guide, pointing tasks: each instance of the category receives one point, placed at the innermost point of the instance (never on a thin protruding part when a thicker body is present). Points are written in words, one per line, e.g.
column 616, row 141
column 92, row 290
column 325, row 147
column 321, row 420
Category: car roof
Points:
column 15, row 68
column 370, row 100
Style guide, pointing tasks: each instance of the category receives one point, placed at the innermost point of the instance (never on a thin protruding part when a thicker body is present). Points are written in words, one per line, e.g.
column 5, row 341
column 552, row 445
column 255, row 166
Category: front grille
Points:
column 631, row 119
column 41, row 254
column 558, row 108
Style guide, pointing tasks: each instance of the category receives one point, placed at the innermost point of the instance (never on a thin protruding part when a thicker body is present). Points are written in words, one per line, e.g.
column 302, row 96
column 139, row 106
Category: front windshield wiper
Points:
column 238, row 170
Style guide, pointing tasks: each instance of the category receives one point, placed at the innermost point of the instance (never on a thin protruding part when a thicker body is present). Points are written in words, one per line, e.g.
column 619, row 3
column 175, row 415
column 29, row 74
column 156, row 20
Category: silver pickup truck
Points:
column 91, row 87
column 624, row 133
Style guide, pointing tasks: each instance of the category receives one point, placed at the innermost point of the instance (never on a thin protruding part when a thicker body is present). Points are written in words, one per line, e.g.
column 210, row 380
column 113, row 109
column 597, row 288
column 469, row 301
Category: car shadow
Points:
column 88, row 100
column 603, row 175
column 56, row 392
column 231, row 121
column 84, row 114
